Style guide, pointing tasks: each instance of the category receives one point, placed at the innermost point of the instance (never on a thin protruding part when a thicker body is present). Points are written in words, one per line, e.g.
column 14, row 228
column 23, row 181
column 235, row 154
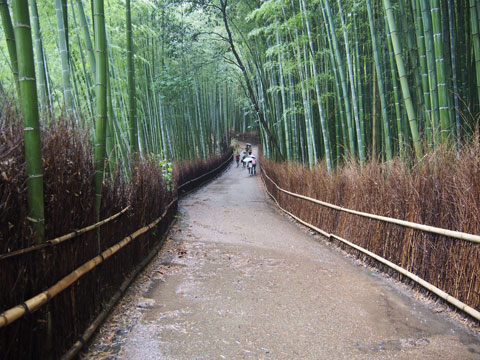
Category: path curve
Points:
column 238, row 280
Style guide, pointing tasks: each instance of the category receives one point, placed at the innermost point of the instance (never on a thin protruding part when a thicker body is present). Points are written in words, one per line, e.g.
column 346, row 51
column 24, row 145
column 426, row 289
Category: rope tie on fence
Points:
column 81, row 340
column 27, row 310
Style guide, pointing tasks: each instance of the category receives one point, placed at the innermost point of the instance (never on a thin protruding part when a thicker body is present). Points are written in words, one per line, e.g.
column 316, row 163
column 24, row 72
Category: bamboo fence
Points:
column 76, row 233
column 63, row 238
column 84, row 338
column 440, row 293
column 34, row 303
column 207, row 173
column 431, row 229
column 42, row 298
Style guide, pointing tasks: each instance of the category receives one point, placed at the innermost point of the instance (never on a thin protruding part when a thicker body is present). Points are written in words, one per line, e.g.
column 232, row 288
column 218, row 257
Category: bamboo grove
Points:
column 166, row 92
column 135, row 73
column 363, row 78
column 332, row 79
column 323, row 80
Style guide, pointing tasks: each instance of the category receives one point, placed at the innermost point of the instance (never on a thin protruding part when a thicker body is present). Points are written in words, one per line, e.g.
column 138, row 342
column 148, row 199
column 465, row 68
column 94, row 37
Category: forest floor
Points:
column 238, row 280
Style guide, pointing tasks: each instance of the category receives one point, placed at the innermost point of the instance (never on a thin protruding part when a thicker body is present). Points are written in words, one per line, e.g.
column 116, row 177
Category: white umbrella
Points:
column 247, row 159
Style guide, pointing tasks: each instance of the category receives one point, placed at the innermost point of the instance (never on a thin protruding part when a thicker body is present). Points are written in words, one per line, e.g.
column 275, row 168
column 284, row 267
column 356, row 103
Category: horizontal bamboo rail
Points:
column 431, row 229
column 75, row 233
column 83, row 339
column 34, row 303
column 440, row 293
column 207, row 173
column 62, row 238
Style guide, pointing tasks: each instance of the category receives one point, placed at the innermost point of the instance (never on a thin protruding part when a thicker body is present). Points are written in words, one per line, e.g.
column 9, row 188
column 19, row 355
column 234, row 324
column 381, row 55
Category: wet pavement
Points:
column 238, row 280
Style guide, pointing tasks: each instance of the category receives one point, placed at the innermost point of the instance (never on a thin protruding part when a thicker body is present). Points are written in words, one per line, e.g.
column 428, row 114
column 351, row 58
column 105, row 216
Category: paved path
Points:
column 238, row 280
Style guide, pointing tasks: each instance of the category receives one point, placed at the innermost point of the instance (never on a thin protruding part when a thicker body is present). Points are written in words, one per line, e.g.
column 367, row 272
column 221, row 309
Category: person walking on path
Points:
column 254, row 166
column 237, row 158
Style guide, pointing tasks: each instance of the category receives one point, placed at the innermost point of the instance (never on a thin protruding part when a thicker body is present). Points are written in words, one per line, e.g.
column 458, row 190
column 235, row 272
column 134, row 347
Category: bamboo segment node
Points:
column 427, row 228
column 440, row 293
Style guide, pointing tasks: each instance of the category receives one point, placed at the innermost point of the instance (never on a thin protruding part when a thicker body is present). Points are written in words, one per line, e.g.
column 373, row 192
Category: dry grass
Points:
column 443, row 190
column 189, row 170
column 69, row 205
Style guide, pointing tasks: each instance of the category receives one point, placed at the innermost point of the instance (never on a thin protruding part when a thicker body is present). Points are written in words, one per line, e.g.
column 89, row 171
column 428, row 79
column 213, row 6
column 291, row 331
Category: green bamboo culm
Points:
column 397, row 49
column 39, row 58
column 323, row 122
column 476, row 43
column 31, row 124
column 10, row 39
column 132, row 109
column 358, row 121
column 445, row 125
column 86, row 37
column 343, row 79
column 101, row 100
column 432, row 71
column 63, row 50
column 381, row 88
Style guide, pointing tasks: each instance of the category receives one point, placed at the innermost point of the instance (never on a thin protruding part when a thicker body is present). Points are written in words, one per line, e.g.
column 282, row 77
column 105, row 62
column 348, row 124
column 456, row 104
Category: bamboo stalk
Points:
column 432, row 71
column 440, row 293
column 64, row 57
column 427, row 228
column 310, row 138
column 39, row 59
column 31, row 124
column 78, row 345
column 412, row 119
column 476, row 43
column 343, row 79
column 381, row 88
column 323, row 122
column 62, row 238
column 358, row 126
column 445, row 123
column 86, row 37
column 101, row 101
column 132, row 109
column 10, row 40
column 34, row 303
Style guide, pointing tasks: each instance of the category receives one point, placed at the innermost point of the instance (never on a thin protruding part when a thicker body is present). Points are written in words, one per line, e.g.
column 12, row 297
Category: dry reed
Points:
column 443, row 190
column 69, row 205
